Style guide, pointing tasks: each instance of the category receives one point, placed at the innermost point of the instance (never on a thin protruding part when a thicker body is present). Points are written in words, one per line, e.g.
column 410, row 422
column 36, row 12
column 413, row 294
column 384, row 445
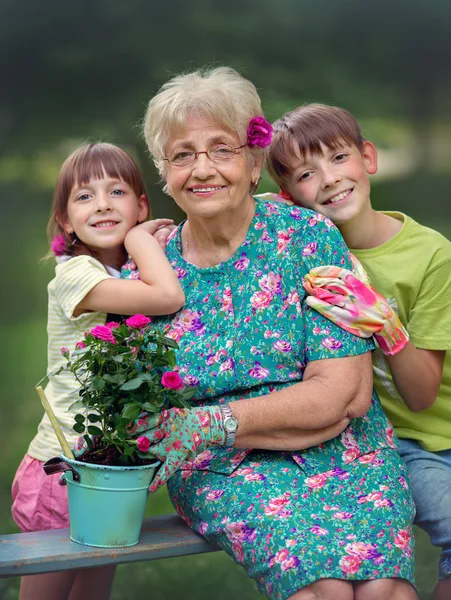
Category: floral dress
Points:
column 342, row 509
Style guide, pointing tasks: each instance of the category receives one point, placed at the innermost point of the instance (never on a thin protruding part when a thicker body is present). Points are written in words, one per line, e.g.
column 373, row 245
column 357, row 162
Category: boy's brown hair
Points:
column 90, row 161
column 304, row 130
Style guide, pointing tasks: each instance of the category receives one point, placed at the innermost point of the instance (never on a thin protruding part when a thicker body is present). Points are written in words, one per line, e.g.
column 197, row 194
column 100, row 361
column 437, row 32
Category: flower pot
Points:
column 106, row 504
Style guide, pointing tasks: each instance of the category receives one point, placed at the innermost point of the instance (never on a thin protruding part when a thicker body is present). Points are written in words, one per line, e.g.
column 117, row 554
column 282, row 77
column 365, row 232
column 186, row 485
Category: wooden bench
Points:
column 46, row 551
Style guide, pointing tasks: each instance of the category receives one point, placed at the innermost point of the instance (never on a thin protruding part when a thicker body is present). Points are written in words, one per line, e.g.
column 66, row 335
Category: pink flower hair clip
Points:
column 59, row 245
column 259, row 132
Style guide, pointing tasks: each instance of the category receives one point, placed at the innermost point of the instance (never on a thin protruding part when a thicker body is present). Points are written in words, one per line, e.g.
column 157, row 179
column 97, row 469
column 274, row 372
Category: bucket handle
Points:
column 58, row 465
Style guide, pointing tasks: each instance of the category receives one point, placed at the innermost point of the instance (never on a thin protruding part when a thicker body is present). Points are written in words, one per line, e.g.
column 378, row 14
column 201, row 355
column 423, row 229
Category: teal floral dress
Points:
column 339, row 510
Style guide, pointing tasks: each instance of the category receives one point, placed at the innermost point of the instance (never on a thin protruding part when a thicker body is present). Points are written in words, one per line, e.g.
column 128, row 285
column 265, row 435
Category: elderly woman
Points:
column 285, row 460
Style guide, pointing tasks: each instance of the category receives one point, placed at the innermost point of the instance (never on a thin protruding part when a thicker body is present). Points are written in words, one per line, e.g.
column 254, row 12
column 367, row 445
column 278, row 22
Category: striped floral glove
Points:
column 349, row 300
column 179, row 434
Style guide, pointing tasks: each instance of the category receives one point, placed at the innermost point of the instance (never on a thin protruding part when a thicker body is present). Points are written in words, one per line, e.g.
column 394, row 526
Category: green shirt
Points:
column 413, row 271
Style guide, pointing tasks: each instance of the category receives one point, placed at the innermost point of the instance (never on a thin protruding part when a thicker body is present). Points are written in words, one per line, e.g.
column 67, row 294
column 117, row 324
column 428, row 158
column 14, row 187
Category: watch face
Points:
column 230, row 424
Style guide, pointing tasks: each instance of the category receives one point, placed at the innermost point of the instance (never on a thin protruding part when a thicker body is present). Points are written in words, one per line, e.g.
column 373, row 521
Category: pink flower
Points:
column 65, row 351
column 138, row 321
column 350, row 564
column 112, row 325
column 80, row 345
column 172, row 380
column 59, row 245
column 261, row 300
column 102, row 332
column 402, row 540
column 143, row 444
column 259, row 132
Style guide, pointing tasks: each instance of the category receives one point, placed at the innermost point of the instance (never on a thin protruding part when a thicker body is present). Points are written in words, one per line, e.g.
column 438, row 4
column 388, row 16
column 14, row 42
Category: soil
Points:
column 109, row 455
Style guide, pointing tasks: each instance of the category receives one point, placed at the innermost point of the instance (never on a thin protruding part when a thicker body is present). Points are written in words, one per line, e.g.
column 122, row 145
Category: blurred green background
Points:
column 78, row 71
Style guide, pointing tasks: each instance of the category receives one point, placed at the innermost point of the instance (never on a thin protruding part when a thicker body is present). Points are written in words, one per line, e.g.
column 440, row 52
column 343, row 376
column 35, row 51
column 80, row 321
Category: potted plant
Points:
column 126, row 371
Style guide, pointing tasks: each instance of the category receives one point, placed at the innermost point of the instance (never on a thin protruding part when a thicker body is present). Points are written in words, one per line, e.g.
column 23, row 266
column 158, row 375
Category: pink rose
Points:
column 112, row 325
column 137, row 321
column 102, row 332
column 259, row 132
column 65, row 352
column 59, row 245
column 172, row 380
column 80, row 345
column 143, row 443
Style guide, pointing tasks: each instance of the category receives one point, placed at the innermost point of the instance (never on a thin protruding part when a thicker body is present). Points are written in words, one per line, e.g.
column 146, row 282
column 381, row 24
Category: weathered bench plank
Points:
column 46, row 551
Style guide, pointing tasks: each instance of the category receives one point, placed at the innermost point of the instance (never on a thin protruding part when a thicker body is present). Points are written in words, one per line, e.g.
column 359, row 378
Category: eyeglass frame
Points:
column 196, row 154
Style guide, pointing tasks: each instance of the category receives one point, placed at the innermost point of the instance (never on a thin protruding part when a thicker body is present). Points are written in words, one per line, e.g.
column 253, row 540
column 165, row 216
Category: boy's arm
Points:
column 157, row 293
column 417, row 374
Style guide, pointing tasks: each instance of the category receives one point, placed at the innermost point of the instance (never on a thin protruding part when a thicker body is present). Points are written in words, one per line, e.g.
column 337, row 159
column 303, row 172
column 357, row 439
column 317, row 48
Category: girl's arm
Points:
column 158, row 292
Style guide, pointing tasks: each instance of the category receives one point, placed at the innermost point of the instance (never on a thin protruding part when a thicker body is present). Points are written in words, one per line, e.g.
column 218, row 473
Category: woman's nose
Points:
column 203, row 166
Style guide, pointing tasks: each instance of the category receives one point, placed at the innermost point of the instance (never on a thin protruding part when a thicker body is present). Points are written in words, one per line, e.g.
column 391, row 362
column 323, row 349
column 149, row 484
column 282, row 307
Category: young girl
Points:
column 98, row 218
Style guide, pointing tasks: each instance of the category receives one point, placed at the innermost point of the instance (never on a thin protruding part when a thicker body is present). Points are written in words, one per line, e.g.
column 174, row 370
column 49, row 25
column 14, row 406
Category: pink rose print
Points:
column 350, row 454
column 226, row 300
column 310, row 249
column 190, row 380
column 316, row 481
column 331, row 343
column 317, row 530
column 363, row 551
column 214, row 495
column 350, row 564
column 402, row 540
column 203, row 528
column 276, row 505
column 240, row 532
column 137, row 321
column 238, row 551
column 283, row 239
column 187, row 320
column 343, row 515
column 227, row 365
column 282, row 346
column 258, row 371
column 261, row 300
column 272, row 283
column 290, row 563
column 181, row 273
column 242, row 263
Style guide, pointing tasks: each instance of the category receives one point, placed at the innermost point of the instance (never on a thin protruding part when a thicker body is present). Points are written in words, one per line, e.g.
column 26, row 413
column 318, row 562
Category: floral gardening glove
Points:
column 177, row 435
column 351, row 302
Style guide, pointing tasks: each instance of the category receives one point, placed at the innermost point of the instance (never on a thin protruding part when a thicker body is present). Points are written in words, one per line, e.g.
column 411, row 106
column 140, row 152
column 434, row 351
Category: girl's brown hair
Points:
column 304, row 130
column 90, row 161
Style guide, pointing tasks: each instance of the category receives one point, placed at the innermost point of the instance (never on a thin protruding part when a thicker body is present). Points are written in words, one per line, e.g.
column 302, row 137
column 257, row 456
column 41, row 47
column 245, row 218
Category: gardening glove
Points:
column 81, row 445
column 351, row 302
column 179, row 434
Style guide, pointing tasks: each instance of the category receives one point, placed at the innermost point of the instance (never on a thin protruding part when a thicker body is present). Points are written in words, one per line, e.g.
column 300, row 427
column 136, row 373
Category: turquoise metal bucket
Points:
column 106, row 504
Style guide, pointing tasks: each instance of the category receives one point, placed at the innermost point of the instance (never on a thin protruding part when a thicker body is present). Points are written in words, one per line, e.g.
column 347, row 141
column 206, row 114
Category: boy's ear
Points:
column 369, row 154
column 143, row 208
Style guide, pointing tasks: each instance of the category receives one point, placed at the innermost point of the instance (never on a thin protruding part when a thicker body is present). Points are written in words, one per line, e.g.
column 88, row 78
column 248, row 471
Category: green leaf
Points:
column 79, row 428
column 93, row 430
column 92, row 418
column 131, row 410
column 79, row 418
column 76, row 405
column 133, row 384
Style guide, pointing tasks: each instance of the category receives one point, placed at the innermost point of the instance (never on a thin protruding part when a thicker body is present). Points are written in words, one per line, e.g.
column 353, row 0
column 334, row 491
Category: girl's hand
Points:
column 161, row 234
column 178, row 435
column 351, row 302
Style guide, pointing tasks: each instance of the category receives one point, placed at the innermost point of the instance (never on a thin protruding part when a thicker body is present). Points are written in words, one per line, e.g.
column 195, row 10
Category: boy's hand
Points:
column 351, row 302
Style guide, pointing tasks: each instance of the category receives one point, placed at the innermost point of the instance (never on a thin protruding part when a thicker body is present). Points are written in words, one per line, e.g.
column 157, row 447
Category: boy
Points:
column 321, row 161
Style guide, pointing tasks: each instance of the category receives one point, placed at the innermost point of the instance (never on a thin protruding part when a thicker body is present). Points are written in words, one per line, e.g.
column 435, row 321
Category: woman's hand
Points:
column 177, row 435
column 351, row 302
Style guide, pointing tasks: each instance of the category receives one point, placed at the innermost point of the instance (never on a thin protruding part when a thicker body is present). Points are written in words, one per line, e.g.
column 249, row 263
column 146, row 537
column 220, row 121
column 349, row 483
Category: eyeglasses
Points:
column 218, row 153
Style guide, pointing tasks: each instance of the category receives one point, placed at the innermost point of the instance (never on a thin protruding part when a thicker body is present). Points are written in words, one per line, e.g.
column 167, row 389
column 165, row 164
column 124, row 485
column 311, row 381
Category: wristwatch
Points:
column 230, row 424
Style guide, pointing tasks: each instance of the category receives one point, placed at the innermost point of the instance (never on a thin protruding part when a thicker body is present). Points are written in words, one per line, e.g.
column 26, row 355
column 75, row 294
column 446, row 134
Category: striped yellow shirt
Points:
column 74, row 278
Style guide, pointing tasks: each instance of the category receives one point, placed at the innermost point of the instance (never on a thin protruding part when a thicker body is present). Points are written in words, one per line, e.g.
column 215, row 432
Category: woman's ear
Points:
column 369, row 154
column 143, row 208
column 257, row 170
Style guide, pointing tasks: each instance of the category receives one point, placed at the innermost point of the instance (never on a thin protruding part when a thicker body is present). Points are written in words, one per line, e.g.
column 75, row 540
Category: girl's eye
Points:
column 118, row 192
column 84, row 197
